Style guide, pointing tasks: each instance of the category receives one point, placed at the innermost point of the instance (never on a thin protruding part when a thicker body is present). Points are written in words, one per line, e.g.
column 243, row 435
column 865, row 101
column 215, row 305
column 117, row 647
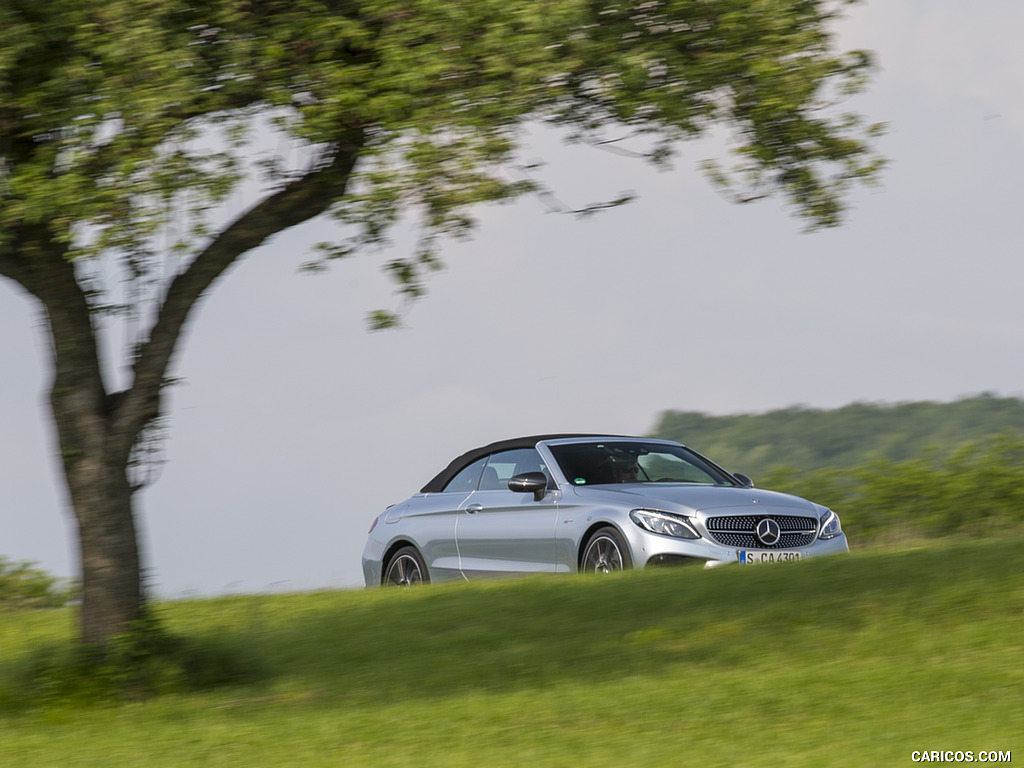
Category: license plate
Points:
column 780, row 556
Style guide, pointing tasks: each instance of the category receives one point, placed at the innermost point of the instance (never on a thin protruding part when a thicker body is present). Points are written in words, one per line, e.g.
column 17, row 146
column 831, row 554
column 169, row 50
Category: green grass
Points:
column 848, row 661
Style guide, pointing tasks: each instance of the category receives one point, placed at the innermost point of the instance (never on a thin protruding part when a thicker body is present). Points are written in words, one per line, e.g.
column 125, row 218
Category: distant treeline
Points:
column 892, row 472
column 842, row 438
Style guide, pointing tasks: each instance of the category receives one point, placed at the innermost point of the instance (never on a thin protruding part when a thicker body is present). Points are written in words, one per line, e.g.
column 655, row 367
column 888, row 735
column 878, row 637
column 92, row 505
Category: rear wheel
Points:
column 405, row 569
column 605, row 552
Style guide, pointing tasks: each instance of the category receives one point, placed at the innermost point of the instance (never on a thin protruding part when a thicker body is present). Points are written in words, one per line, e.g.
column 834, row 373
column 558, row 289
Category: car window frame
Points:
column 448, row 488
column 719, row 476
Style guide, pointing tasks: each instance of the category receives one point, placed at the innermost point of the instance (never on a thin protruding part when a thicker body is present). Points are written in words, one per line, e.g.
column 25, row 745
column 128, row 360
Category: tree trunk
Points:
column 112, row 593
column 95, row 435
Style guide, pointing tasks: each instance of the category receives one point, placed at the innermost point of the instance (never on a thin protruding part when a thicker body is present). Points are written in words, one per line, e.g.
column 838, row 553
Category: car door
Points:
column 429, row 520
column 502, row 531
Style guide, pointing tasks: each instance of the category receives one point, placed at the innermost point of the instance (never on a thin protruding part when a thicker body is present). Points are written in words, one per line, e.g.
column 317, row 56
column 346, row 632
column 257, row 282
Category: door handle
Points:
column 472, row 509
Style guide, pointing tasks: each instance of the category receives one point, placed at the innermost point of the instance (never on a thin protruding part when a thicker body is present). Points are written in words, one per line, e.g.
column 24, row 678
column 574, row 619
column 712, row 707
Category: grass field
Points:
column 848, row 661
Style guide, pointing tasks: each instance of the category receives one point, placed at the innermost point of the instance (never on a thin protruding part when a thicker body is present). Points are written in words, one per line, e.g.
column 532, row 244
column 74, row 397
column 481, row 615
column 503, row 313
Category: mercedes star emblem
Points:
column 768, row 532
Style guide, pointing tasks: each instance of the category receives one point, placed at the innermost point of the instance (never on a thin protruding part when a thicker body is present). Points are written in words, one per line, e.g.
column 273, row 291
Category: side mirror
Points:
column 744, row 479
column 529, row 482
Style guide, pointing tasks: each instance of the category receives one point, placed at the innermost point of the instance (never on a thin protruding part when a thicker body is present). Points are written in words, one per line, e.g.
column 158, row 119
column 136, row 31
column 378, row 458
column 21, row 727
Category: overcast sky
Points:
column 294, row 426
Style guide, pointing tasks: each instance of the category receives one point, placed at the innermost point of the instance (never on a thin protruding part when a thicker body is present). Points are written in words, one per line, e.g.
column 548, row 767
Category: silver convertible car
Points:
column 568, row 503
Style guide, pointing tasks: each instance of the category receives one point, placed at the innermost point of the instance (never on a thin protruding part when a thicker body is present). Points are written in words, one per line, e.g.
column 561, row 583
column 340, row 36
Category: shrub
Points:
column 23, row 585
column 976, row 490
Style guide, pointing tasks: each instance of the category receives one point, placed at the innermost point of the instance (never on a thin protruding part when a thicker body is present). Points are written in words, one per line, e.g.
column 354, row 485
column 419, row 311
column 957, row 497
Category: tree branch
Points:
column 12, row 266
column 35, row 260
column 299, row 201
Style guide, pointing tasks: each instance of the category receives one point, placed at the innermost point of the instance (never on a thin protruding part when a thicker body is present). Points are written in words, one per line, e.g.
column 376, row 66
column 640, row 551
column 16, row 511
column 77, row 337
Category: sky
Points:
column 294, row 426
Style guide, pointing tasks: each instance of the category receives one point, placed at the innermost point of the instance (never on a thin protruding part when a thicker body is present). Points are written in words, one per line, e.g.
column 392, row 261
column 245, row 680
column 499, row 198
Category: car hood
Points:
column 693, row 498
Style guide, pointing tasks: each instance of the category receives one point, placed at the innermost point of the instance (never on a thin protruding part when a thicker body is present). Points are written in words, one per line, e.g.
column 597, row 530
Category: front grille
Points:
column 738, row 531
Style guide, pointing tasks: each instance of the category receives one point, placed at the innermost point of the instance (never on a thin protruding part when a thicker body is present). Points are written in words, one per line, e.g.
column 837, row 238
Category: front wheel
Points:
column 606, row 551
column 406, row 569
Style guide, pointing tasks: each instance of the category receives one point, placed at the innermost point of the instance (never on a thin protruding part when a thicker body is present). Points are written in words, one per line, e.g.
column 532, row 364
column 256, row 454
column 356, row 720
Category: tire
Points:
column 606, row 552
column 406, row 569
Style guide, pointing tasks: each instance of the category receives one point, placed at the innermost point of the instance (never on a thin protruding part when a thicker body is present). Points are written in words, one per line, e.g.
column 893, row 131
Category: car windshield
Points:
column 599, row 463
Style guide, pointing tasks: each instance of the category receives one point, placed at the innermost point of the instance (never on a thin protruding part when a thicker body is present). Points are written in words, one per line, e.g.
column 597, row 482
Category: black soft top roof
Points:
column 441, row 479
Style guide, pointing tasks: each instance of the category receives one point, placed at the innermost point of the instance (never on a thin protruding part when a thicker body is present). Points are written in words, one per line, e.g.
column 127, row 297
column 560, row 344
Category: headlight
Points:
column 829, row 526
column 663, row 523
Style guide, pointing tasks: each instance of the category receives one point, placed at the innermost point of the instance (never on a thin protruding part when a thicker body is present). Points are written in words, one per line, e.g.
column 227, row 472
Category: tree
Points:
column 125, row 126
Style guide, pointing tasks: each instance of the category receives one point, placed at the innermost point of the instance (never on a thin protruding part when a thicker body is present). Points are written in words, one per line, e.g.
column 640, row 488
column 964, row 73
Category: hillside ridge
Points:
column 844, row 437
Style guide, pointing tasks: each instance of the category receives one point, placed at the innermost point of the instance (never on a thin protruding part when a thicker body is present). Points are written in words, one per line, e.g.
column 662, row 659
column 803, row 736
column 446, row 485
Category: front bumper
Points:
column 651, row 549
